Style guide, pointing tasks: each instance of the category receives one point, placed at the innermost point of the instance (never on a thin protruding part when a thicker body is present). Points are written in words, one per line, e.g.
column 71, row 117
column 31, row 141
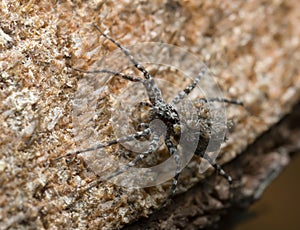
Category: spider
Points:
column 159, row 109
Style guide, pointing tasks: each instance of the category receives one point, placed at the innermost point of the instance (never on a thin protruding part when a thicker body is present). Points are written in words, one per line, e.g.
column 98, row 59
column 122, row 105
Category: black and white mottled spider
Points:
column 159, row 109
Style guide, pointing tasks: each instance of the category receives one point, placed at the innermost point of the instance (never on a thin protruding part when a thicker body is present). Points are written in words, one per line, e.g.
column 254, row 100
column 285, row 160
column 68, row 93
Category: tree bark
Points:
column 205, row 205
column 250, row 47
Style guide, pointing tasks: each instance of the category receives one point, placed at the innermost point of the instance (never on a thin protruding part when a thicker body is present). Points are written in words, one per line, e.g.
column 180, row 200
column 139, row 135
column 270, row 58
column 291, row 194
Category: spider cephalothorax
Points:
column 159, row 110
column 166, row 113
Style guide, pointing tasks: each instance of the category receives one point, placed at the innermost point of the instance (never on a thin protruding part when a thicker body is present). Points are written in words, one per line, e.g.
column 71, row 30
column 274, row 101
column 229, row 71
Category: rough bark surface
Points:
column 205, row 204
column 251, row 47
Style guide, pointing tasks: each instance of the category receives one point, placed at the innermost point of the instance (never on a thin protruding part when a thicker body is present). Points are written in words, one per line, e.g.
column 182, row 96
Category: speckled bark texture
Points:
column 208, row 205
column 251, row 47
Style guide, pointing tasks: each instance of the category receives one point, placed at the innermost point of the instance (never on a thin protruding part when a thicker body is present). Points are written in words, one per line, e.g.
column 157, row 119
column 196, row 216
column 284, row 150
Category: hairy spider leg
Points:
column 152, row 147
column 136, row 135
column 190, row 87
column 225, row 100
column 173, row 151
column 125, row 76
column 215, row 165
column 153, row 91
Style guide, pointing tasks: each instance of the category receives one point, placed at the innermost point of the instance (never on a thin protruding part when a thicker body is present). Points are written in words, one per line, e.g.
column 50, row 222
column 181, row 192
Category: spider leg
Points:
column 125, row 76
column 172, row 149
column 109, row 143
column 190, row 87
column 215, row 165
column 153, row 91
column 127, row 53
column 229, row 101
column 152, row 147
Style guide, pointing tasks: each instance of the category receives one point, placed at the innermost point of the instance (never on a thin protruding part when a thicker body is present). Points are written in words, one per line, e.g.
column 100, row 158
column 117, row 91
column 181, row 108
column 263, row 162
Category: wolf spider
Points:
column 161, row 110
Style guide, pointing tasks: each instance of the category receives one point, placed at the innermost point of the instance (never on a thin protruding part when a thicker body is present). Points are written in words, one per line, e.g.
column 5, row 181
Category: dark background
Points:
column 278, row 208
